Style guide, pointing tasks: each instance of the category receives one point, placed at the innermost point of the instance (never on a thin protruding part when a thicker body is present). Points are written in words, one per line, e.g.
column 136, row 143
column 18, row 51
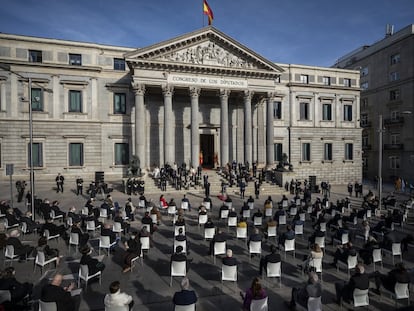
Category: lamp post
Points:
column 31, row 150
column 380, row 134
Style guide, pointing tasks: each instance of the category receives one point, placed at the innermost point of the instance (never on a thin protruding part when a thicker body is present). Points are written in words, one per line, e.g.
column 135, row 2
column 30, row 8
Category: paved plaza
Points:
column 149, row 284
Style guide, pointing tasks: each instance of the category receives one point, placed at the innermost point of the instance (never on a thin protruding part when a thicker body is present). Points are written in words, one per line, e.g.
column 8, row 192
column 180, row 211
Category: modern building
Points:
column 202, row 94
column 387, row 93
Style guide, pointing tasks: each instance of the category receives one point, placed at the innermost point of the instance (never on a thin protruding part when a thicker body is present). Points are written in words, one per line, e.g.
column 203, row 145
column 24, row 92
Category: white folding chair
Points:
column 268, row 212
column 224, row 214
column 350, row 263
column 322, row 226
column 282, row 220
column 246, row 213
column 316, row 263
column 259, row 304
column 293, row 211
column 207, row 205
column 377, row 257
column 5, row 295
column 184, row 205
column 219, row 249
column 228, row 273
column 135, row 259
column 172, row 210
column 177, row 229
column 145, row 244
column 271, row 231
column 47, row 235
column 103, row 213
column 9, row 254
column 285, row 204
column 141, row 204
column 314, row 304
column 320, row 240
column 90, row 226
column 191, row 307
column 147, row 226
column 250, row 205
column 302, row 217
column 255, row 247
column 289, row 247
column 117, row 227
column 47, row 306
column 84, row 275
column 241, row 233
column 231, row 222
column 228, row 204
column 257, row 221
column 41, row 261
column 299, row 230
column 73, row 240
column 105, row 242
column 178, row 268
column 154, row 218
column 209, row 233
column 181, row 243
column 360, row 297
column 274, row 270
column 117, row 308
column 344, row 239
column 202, row 219
column 53, row 215
column 85, row 211
column 395, row 251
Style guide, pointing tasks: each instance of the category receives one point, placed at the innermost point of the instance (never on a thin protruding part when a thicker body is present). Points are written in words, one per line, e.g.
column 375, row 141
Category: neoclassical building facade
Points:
column 199, row 97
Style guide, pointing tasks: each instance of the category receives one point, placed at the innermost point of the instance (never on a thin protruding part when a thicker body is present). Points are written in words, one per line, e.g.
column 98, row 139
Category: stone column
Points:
column 224, row 127
column 248, row 152
column 195, row 135
column 270, row 152
column 168, row 91
column 139, row 91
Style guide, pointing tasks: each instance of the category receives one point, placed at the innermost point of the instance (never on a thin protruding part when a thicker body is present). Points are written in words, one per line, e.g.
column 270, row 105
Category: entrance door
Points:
column 207, row 148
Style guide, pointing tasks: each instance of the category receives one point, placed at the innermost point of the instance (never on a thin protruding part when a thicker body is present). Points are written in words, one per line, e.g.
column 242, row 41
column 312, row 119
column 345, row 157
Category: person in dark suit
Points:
column 31, row 225
column 17, row 289
column 186, row 296
column 229, row 260
column 218, row 237
column 59, row 182
column 133, row 250
column 94, row 265
column 342, row 253
column 255, row 236
column 273, row 257
column 11, row 218
column 398, row 274
column 179, row 255
column 54, row 229
column 359, row 280
column 83, row 237
column 55, row 207
column 72, row 214
column 79, row 185
column 288, row 235
column 20, row 249
column 107, row 231
column 54, row 292
column 312, row 288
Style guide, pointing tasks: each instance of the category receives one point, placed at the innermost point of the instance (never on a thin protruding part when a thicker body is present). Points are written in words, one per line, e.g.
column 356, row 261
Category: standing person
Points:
column 59, row 182
column 117, row 299
column 54, row 292
column 254, row 292
column 186, row 296
column 242, row 189
column 257, row 188
column 350, row 188
column 79, row 186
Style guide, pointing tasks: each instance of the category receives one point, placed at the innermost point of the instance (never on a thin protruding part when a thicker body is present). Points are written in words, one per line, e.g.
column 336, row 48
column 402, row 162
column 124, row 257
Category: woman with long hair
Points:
column 255, row 292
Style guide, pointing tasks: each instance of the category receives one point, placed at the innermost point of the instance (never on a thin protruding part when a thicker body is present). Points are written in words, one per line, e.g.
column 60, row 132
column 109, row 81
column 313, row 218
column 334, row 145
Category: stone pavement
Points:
column 149, row 283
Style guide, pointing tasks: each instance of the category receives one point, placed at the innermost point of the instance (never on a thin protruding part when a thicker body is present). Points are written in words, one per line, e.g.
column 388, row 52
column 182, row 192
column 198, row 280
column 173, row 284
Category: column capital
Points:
column 248, row 94
column 224, row 93
column 270, row 95
column 167, row 90
column 138, row 88
column 195, row 92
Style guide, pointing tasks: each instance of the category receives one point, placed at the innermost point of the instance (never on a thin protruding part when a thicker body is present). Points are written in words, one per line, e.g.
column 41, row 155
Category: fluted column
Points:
column 224, row 127
column 270, row 153
column 168, row 91
column 248, row 152
column 139, row 91
column 195, row 135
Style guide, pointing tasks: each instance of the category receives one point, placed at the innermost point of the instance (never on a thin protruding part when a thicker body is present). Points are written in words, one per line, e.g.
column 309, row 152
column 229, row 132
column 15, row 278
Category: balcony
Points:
column 393, row 146
column 394, row 121
column 366, row 147
column 365, row 124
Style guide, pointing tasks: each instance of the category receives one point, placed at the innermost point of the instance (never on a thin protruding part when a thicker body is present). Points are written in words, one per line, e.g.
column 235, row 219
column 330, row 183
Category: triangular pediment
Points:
column 207, row 48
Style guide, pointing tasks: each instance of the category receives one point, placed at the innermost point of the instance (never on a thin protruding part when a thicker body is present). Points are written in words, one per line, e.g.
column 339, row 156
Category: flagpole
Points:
column 202, row 10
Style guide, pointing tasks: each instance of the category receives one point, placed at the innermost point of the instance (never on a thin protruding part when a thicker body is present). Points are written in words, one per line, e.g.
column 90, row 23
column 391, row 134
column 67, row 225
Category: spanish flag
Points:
column 207, row 11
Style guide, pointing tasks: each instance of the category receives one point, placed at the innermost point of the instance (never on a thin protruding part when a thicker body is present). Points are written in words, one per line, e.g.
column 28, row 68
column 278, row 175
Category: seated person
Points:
column 288, row 235
column 185, row 296
column 94, row 265
column 58, row 212
column 255, row 236
column 345, row 290
column 342, row 253
column 106, row 230
column 54, row 229
column 273, row 257
column 49, row 252
column 124, row 224
column 218, row 237
column 179, row 255
column 147, row 220
column 242, row 223
column 257, row 214
column 254, row 292
column 11, row 218
column 83, row 236
column 229, row 260
column 54, row 292
column 365, row 253
column 300, row 295
column 398, row 274
column 22, row 250
column 133, row 249
column 315, row 253
column 209, row 223
column 18, row 290
column 117, row 299
column 31, row 225
column 72, row 214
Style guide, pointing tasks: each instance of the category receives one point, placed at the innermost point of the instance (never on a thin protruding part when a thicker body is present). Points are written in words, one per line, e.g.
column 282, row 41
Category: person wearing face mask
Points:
column 133, row 250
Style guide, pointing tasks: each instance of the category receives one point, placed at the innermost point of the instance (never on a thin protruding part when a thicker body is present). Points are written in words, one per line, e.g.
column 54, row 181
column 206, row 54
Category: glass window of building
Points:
column 364, row 103
column 395, row 115
column 277, row 110
column 119, row 64
column 327, row 152
column 304, row 111
column 395, row 58
column 119, row 103
column 327, row 112
column 278, row 151
column 35, row 56
column 75, row 59
column 364, row 119
column 394, row 162
column 37, row 154
column 304, row 79
column 394, row 76
column 364, row 71
column 37, row 99
column 76, row 154
column 75, row 101
column 394, row 94
column 365, row 141
column 364, row 85
column 306, row 152
column 326, row 80
column 347, row 82
column 121, row 154
column 349, row 151
column 395, row 139
column 347, row 112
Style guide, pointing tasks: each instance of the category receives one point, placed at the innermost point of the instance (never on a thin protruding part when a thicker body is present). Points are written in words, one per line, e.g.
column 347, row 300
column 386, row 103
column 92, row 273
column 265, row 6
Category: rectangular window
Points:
column 394, row 76
column 37, row 99
column 75, row 101
column 35, row 56
column 119, row 64
column 364, row 120
column 278, row 148
column 395, row 139
column 327, row 153
column 394, row 162
column 364, row 103
column 349, row 152
column 347, row 112
column 37, row 155
column 75, row 59
column 304, row 111
column 277, row 110
column 396, row 58
column 364, row 85
column 75, row 154
column 394, row 94
column 327, row 112
column 395, row 115
column 306, row 152
column 304, row 79
column 364, row 71
column 364, row 164
column 347, row 82
column 121, row 154
column 120, row 103
column 326, row 80
column 365, row 141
